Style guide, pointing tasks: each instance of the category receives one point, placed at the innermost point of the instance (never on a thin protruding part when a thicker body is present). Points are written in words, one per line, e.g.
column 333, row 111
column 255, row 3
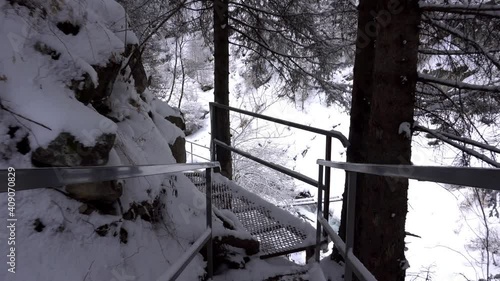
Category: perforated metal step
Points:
column 278, row 231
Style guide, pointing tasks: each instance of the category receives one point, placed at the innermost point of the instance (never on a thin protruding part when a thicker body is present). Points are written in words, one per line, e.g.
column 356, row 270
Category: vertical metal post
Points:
column 191, row 152
column 351, row 208
column 210, row 254
column 212, row 132
column 318, row 214
column 328, row 157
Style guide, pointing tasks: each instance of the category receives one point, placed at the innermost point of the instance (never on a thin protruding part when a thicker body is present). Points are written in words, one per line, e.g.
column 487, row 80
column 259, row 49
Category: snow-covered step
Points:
column 278, row 231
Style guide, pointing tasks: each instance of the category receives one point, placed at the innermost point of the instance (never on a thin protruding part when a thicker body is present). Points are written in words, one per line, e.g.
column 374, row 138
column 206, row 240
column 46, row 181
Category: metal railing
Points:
column 308, row 201
column 485, row 178
column 26, row 179
column 191, row 151
column 328, row 148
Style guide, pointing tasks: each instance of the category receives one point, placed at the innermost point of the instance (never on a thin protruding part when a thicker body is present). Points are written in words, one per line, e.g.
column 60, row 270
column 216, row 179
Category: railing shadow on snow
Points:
column 26, row 179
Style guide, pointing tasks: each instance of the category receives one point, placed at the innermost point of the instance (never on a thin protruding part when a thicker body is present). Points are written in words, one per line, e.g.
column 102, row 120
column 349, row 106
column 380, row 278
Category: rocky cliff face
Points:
column 73, row 92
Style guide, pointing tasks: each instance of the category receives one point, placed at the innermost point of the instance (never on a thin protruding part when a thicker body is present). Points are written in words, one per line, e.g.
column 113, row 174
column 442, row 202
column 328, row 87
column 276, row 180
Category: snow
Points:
column 35, row 86
column 276, row 213
column 258, row 269
column 332, row 270
column 405, row 128
column 434, row 212
column 33, row 98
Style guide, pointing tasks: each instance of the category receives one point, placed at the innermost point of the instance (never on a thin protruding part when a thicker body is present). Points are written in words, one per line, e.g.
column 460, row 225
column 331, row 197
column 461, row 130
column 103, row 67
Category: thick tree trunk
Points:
column 361, row 92
column 221, row 83
column 381, row 204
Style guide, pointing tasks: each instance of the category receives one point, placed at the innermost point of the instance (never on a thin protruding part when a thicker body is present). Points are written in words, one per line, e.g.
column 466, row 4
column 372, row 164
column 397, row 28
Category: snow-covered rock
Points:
column 50, row 51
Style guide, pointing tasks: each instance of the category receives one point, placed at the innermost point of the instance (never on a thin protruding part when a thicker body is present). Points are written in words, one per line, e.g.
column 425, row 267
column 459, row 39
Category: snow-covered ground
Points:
column 434, row 214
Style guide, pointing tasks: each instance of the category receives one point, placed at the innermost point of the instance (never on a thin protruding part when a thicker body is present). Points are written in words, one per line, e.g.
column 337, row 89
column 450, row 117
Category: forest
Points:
column 255, row 86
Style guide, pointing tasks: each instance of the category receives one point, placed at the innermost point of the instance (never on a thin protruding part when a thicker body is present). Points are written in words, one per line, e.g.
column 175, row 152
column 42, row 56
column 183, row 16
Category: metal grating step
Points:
column 278, row 231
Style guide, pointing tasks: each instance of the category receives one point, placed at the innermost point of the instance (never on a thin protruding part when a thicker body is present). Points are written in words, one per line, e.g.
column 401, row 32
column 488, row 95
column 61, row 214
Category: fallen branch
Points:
column 25, row 118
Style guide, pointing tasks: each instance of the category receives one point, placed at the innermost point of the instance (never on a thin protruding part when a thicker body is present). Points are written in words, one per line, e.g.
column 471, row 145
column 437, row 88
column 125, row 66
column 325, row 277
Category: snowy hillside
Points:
column 70, row 97
column 442, row 253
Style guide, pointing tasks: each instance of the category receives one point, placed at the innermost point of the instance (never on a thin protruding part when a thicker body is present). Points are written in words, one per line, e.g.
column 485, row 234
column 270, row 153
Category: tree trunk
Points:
column 221, row 84
column 381, row 204
column 361, row 94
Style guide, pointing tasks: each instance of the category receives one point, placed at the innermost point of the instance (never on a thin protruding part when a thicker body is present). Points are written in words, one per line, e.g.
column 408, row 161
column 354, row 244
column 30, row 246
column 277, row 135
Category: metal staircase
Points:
column 278, row 231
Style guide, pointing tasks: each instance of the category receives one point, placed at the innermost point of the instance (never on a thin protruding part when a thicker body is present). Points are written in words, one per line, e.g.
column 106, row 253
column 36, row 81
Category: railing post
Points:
column 328, row 157
column 208, row 184
column 212, row 133
column 213, row 124
column 318, row 214
column 191, row 152
column 351, row 208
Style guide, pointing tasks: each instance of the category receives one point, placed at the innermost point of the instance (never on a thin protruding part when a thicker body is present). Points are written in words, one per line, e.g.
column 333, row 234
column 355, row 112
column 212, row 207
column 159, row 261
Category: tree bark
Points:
column 361, row 94
column 221, row 84
column 381, row 204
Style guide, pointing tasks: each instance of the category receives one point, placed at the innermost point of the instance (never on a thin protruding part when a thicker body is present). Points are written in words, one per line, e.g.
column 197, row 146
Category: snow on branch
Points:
column 472, row 142
column 471, row 41
column 459, row 8
column 457, row 84
column 438, row 52
column 441, row 136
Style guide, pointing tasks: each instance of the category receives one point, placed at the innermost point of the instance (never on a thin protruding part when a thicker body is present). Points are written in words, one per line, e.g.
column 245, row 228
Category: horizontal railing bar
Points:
column 358, row 267
column 198, row 144
column 60, row 176
column 273, row 166
column 176, row 269
column 337, row 241
column 487, row 178
column 334, row 134
column 308, row 202
column 198, row 156
column 313, row 198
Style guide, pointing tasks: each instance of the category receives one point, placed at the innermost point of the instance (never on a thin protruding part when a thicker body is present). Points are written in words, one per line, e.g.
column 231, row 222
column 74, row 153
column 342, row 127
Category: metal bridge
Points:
column 278, row 231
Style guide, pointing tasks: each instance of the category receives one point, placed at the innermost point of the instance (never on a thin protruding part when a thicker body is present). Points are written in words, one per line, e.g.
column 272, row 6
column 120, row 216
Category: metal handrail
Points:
column 199, row 156
column 486, row 178
column 273, row 166
column 60, row 176
column 194, row 154
column 309, row 201
column 334, row 134
column 176, row 269
column 193, row 143
column 27, row 179
column 359, row 269
column 328, row 147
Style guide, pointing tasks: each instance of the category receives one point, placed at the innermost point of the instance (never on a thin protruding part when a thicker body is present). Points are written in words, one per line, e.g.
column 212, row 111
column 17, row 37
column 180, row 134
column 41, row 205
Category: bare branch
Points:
column 463, row 148
column 466, row 38
column 457, row 84
column 459, row 8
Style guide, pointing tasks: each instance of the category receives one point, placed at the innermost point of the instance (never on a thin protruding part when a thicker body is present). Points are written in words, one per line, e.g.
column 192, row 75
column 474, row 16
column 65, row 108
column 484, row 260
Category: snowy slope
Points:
column 54, row 241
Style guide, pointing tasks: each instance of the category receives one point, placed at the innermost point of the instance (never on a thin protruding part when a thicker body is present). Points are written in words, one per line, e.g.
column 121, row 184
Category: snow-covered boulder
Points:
column 51, row 51
column 66, row 151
